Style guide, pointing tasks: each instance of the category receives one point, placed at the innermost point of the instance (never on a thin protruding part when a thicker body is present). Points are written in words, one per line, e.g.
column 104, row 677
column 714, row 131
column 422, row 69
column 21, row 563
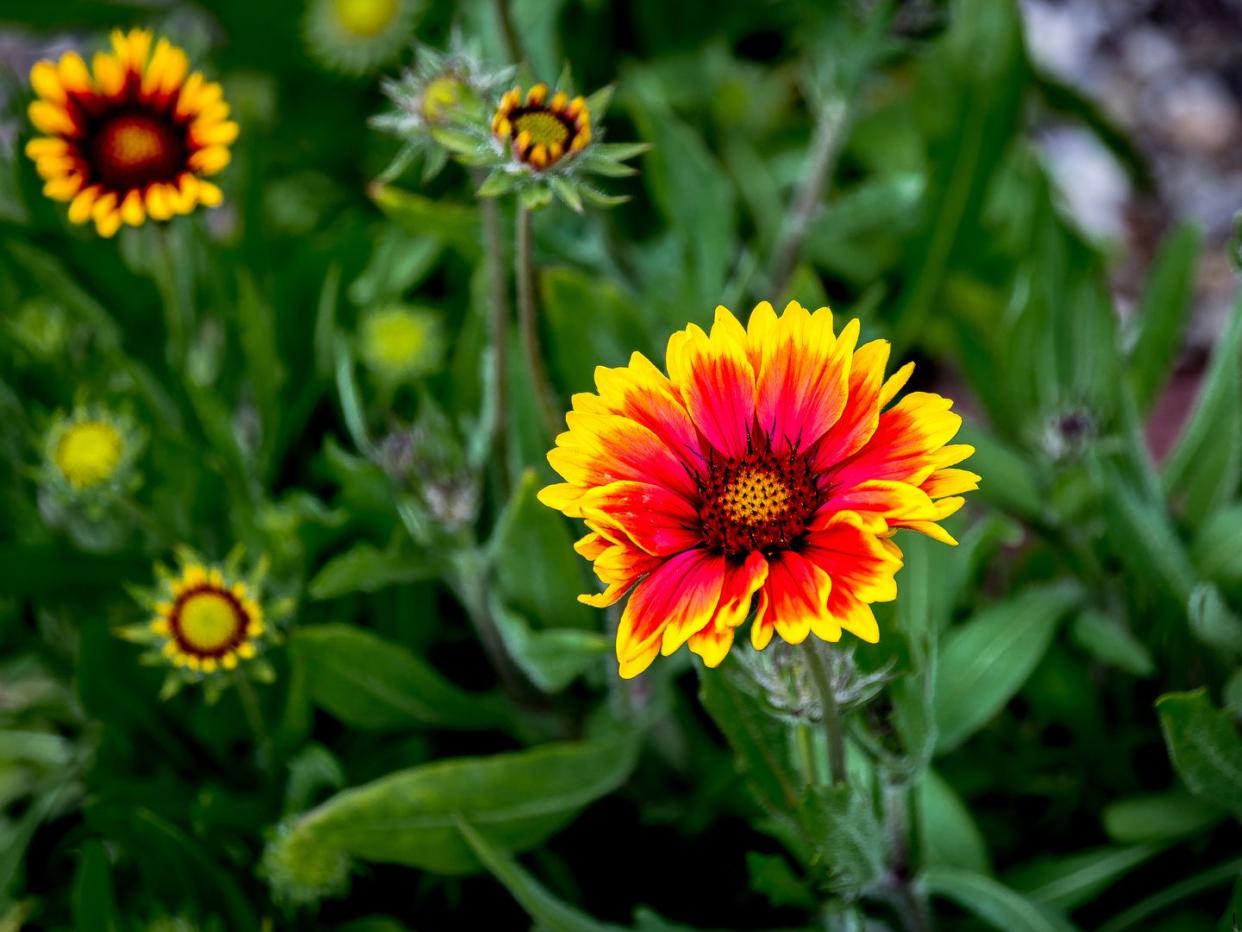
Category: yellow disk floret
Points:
column 88, row 453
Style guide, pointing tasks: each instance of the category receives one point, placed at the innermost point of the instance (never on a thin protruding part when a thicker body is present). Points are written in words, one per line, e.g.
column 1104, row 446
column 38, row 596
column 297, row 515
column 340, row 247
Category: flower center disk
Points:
column 209, row 622
column 757, row 502
column 136, row 149
column 544, row 126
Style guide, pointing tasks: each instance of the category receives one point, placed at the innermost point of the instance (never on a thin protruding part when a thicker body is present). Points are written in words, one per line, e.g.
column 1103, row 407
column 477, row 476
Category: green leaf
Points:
column 949, row 834
column 364, row 568
column 552, row 658
column 518, row 799
column 1205, row 748
column 1067, row 882
column 373, row 684
column 534, row 196
column 538, row 574
column 985, row 661
column 1111, row 642
column 548, row 911
column 1212, row 621
column 1203, row 468
column 580, row 339
column 1159, row 817
column 970, row 95
column 455, row 225
column 94, row 903
column 497, row 183
column 993, row 902
column 1009, row 482
column 1161, row 314
column 1217, row 550
column 771, row 875
column 566, row 191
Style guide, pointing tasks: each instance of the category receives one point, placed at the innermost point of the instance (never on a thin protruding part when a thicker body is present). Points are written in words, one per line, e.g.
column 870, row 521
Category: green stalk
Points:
column 832, row 715
column 528, row 328
column 499, row 337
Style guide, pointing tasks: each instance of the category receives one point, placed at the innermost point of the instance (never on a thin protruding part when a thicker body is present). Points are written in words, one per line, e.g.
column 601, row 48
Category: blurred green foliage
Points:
column 1061, row 723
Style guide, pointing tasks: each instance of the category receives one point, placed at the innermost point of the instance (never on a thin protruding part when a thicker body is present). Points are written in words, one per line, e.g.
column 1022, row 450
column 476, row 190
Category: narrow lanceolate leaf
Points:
column 1067, row 882
column 985, row 661
column 1204, row 746
column 1111, row 642
column 993, row 902
column 1162, row 314
column 1160, row 817
column 371, row 683
column 949, row 834
column 364, row 568
column 550, row 912
column 1203, row 469
column 517, row 799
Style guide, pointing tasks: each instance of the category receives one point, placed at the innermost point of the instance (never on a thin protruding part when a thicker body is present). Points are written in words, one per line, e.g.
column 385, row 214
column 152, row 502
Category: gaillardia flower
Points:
column 135, row 136
column 539, row 131
column 205, row 619
column 357, row 36
column 769, row 467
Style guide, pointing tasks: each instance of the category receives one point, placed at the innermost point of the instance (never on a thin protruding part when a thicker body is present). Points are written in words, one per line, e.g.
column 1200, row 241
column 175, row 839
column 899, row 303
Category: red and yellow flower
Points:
column 136, row 135
column 768, row 467
column 540, row 132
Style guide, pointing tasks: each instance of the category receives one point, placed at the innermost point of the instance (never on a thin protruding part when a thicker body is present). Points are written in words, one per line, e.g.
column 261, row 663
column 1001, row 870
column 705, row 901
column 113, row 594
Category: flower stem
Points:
column 254, row 718
column 528, row 327
column 513, row 48
column 829, row 132
column 499, row 327
column 832, row 716
column 175, row 297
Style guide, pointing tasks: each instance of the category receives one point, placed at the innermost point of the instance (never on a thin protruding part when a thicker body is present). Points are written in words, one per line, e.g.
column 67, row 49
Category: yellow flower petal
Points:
column 63, row 189
column 109, row 75
column 159, row 205
column 80, row 209
column 45, row 80
column 132, row 211
column 51, row 118
column 209, row 195
column 211, row 160
column 213, row 134
column 74, row 75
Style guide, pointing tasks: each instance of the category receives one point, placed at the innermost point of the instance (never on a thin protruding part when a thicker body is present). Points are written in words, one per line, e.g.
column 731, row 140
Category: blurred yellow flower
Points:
column 357, row 36
column 88, row 453
column 399, row 343
column 135, row 136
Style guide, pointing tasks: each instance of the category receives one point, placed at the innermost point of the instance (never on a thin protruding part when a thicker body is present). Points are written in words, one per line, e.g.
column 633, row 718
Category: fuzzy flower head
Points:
column 355, row 37
column 399, row 343
column 89, row 455
column 135, row 136
column 206, row 620
column 540, row 131
column 441, row 91
column 769, row 466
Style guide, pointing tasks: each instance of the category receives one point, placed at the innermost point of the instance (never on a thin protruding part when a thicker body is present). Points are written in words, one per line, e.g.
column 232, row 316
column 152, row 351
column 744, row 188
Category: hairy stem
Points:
column 499, row 335
column 824, row 147
column 528, row 328
column 832, row 715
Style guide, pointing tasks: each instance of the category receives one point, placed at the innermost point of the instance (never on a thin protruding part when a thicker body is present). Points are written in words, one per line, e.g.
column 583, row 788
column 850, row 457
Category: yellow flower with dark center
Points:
column 357, row 36
column 135, row 136
column 400, row 342
column 541, row 132
column 88, row 453
column 209, row 623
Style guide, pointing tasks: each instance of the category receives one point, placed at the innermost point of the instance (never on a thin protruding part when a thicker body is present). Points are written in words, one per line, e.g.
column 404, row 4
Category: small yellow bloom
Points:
column 399, row 343
column 357, row 36
column 88, row 453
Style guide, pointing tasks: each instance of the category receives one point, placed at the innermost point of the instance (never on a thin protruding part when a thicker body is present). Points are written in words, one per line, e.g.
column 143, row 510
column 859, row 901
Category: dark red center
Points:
column 760, row 501
column 132, row 150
